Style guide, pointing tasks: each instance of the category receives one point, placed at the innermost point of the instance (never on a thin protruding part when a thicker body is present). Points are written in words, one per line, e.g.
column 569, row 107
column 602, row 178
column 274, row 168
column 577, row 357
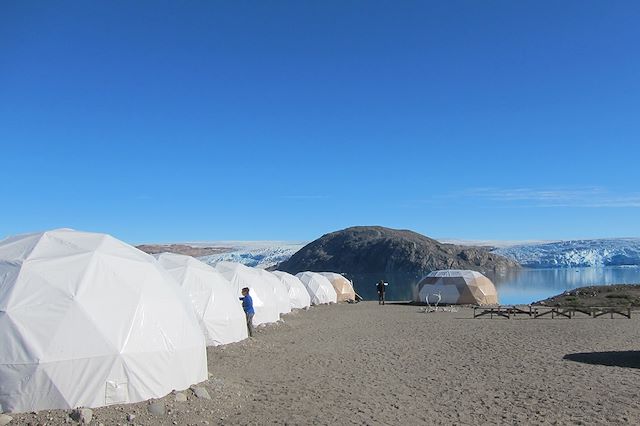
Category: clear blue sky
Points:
column 209, row 120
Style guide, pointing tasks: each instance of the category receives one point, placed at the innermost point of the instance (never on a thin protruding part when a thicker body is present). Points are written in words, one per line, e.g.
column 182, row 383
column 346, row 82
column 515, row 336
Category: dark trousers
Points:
column 249, row 323
column 381, row 298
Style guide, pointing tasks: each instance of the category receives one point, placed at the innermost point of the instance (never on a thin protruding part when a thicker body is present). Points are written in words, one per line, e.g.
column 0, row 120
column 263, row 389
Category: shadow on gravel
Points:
column 628, row 359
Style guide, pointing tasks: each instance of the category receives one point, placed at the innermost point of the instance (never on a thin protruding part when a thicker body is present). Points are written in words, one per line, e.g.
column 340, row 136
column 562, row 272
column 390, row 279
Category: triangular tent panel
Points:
column 319, row 288
column 217, row 307
column 87, row 320
column 298, row 295
column 453, row 286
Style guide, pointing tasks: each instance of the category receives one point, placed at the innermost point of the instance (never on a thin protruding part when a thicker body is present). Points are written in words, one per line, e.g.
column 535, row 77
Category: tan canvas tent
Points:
column 456, row 287
column 341, row 285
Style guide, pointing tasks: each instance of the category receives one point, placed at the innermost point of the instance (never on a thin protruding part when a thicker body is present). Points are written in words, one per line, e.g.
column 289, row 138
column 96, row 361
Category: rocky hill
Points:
column 375, row 249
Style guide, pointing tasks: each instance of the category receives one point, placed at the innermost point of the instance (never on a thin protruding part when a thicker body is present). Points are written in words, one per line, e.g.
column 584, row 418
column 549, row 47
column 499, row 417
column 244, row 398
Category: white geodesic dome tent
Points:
column 217, row 307
column 280, row 291
column 342, row 286
column 87, row 320
column 319, row 288
column 455, row 286
column 298, row 295
column 264, row 300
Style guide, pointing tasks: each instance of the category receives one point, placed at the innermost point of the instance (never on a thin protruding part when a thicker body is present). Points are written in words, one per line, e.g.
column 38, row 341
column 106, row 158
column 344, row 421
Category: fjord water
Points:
column 531, row 285
column 520, row 286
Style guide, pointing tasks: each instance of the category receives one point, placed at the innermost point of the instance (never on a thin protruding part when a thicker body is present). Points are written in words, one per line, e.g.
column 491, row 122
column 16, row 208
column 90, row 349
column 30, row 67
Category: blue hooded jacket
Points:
column 247, row 304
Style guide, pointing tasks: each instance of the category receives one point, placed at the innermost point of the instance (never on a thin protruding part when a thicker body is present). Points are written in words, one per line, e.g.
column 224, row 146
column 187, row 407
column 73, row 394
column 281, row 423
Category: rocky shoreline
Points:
column 616, row 295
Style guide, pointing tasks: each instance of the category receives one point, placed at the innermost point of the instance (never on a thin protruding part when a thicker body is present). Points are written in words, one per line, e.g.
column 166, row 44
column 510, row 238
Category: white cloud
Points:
column 304, row 197
column 594, row 197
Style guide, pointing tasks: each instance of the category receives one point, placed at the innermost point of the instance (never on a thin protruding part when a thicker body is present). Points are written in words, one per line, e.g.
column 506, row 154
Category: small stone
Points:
column 180, row 397
column 156, row 408
column 82, row 415
column 4, row 419
column 130, row 417
column 201, row 392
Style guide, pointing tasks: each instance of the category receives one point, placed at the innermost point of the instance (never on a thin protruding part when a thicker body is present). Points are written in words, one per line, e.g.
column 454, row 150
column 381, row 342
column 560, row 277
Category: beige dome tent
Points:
column 456, row 287
column 87, row 320
column 341, row 285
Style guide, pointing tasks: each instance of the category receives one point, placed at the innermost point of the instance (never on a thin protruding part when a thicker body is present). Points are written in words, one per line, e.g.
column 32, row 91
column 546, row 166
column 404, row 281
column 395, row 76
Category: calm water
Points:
column 515, row 287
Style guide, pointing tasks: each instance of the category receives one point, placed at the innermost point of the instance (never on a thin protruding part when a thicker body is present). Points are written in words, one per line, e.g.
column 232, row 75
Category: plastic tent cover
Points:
column 220, row 312
column 319, row 288
column 298, row 295
column 280, row 291
column 342, row 286
column 87, row 320
column 264, row 300
column 456, row 287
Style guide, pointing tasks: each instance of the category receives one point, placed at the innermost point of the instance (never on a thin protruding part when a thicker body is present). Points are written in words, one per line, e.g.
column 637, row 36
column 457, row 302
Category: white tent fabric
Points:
column 341, row 285
column 264, row 299
column 455, row 286
column 220, row 312
column 279, row 291
column 298, row 295
column 319, row 288
column 87, row 320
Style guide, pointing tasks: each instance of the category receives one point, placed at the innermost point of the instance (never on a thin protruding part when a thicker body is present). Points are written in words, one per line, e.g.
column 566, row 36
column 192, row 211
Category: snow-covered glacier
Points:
column 576, row 253
column 262, row 254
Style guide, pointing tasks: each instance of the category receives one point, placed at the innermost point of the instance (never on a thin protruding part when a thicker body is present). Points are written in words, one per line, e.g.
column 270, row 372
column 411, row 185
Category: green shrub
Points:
column 618, row 296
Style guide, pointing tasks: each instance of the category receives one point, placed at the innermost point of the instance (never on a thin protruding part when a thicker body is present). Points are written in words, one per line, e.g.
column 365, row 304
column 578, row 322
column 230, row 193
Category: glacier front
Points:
column 576, row 253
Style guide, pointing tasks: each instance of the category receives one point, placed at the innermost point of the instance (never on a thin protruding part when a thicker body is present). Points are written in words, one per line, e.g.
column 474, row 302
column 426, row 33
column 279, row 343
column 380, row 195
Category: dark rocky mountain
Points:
column 375, row 249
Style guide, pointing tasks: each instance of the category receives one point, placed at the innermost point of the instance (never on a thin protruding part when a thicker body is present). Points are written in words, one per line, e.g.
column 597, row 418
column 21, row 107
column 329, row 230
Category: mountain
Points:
column 567, row 254
column 375, row 249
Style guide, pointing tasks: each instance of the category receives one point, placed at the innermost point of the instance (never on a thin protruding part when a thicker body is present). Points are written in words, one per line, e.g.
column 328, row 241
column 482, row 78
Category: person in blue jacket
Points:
column 247, row 305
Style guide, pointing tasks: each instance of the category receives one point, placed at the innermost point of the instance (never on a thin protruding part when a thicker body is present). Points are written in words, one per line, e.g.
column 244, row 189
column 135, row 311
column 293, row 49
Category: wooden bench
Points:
column 505, row 311
column 593, row 311
column 508, row 311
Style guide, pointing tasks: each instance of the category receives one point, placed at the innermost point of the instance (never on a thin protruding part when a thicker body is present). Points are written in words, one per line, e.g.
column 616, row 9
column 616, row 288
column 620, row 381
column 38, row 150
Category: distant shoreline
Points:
column 601, row 295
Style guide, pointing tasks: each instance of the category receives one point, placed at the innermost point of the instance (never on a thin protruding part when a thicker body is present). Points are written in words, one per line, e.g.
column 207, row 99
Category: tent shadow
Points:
column 627, row 359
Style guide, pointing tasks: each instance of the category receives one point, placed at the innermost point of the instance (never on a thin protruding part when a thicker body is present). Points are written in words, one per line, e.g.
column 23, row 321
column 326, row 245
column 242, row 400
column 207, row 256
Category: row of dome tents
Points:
column 87, row 320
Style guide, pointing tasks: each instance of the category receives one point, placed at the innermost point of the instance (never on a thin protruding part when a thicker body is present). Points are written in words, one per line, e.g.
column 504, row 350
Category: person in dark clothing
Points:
column 381, row 289
column 247, row 305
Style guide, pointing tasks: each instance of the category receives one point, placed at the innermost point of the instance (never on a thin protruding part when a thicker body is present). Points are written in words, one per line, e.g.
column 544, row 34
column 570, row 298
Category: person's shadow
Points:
column 627, row 359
